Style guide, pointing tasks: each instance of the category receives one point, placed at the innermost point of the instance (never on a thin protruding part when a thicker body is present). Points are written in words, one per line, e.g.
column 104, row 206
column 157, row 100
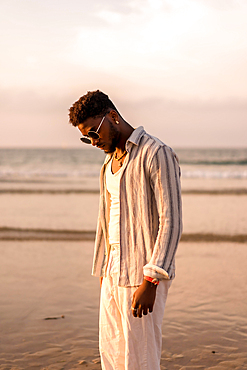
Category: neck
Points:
column 126, row 131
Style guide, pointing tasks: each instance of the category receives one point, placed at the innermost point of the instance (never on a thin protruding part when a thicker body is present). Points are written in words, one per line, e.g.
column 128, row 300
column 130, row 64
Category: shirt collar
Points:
column 135, row 137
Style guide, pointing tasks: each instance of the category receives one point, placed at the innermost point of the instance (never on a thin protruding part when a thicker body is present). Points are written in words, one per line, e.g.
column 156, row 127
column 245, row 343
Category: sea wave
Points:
column 204, row 174
column 210, row 162
column 12, row 173
column 77, row 163
column 48, row 191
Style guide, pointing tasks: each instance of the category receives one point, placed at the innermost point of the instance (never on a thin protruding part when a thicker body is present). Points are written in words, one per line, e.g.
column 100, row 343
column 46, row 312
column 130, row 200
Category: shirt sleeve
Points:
column 165, row 183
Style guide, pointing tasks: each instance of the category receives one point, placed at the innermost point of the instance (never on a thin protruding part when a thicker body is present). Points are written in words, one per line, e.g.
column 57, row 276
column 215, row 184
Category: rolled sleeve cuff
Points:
column 155, row 272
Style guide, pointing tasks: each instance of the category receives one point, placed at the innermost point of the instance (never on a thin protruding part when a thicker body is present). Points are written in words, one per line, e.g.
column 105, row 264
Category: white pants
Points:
column 127, row 342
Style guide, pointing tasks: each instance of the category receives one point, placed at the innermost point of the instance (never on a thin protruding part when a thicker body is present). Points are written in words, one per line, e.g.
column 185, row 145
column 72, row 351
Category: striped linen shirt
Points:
column 150, row 212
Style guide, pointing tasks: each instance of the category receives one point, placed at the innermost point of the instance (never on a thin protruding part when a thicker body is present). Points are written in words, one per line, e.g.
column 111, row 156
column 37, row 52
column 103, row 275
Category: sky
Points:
column 176, row 67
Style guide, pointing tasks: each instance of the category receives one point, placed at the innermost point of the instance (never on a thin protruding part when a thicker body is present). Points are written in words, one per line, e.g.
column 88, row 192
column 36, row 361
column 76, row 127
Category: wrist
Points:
column 152, row 281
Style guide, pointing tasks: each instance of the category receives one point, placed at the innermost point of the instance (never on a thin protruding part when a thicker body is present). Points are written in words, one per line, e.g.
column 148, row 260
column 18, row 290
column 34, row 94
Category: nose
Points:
column 94, row 142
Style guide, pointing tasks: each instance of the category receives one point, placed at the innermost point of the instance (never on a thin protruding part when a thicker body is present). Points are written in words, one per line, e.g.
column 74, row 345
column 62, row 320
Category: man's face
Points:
column 108, row 132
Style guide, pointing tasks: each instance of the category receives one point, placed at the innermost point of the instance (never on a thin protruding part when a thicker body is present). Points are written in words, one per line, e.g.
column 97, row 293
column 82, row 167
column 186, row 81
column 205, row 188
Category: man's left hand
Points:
column 143, row 299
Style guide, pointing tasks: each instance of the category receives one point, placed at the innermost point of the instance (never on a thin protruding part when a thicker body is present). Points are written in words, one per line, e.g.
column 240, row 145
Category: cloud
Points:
column 143, row 48
column 224, row 4
column 144, row 39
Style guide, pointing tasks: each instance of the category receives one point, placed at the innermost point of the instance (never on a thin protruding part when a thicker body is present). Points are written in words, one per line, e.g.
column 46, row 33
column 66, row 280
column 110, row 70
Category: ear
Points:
column 114, row 116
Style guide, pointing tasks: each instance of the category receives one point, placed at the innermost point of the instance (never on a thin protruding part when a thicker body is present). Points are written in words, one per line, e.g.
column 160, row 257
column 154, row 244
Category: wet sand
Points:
column 203, row 214
column 49, row 307
column 49, row 300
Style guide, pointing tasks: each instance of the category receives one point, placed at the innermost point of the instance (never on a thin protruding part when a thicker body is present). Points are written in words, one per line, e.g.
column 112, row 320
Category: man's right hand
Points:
column 143, row 299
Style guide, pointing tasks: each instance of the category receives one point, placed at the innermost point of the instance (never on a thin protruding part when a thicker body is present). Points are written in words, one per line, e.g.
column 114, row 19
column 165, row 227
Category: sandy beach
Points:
column 49, row 307
column 49, row 300
column 222, row 215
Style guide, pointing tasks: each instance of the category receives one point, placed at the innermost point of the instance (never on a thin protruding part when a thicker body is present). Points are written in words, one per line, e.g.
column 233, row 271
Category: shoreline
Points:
column 240, row 191
column 24, row 234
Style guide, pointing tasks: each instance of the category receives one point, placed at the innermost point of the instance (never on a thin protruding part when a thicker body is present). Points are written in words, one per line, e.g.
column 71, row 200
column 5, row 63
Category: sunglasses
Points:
column 92, row 134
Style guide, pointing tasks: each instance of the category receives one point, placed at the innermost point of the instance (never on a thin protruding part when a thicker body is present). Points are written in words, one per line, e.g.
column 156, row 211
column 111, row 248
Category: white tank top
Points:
column 112, row 185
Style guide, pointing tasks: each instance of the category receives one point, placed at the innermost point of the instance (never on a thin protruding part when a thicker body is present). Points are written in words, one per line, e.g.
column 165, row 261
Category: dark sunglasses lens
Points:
column 93, row 135
column 85, row 140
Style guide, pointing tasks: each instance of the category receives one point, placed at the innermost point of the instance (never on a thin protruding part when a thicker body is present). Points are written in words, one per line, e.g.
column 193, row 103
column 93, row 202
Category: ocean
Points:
column 59, row 165
column 53, row 194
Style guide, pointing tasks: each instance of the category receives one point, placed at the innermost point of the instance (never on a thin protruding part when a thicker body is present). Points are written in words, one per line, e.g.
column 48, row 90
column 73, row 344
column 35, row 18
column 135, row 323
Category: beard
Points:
column 113, row 139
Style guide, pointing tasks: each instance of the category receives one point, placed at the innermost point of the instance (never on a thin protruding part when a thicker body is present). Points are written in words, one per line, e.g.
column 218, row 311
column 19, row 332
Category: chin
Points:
column 109, row 151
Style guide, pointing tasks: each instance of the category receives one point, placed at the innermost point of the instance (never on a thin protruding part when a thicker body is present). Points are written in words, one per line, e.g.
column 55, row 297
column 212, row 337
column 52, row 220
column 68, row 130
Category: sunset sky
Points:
column 177, row 67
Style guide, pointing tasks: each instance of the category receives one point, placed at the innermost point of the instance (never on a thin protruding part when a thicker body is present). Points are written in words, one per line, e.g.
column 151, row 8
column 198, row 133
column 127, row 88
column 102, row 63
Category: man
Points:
column 139, row 227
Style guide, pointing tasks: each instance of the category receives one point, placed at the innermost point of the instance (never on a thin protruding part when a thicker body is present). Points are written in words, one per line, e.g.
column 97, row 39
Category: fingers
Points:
column 134, row 311
column 139, row 311
column 134, row 306
column 145, row 311
column 140, row 308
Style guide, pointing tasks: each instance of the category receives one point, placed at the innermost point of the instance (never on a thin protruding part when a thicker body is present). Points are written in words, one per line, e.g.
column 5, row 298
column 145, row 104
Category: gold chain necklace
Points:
column 119, row 158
